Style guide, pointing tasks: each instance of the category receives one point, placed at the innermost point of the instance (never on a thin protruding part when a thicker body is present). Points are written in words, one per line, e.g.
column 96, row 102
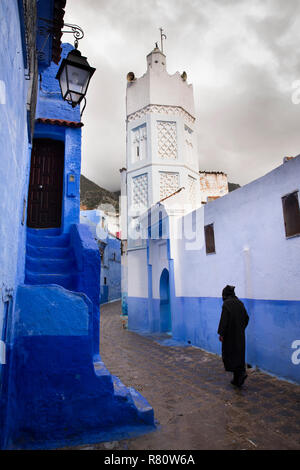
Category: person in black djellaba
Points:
column 233, row 322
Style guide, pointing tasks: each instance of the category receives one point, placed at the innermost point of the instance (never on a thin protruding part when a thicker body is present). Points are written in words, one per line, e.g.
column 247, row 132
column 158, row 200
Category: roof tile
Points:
column 59, row 122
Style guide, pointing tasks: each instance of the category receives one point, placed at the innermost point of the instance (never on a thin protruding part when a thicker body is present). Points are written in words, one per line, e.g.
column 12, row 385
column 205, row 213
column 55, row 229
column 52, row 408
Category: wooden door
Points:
column 46, row 184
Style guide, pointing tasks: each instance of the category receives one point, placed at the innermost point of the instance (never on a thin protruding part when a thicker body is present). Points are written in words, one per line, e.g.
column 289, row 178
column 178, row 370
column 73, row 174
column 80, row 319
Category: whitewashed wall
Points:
column 137, row 273
column 252, row 251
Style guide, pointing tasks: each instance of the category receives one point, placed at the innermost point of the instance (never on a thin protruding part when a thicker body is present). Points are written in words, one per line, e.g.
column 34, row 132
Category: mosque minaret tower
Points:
column 161, row 149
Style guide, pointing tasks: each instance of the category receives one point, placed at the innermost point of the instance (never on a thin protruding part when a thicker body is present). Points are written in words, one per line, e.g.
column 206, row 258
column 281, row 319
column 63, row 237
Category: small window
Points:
column 105, row 281
column 138, row 151
column 291, row 214
column 209, row 238
column 212, row 198
column 160, row 225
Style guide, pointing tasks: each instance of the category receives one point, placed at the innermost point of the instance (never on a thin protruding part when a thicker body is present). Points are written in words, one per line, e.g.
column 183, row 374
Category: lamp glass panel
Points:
column 75, row 97
column 78, row 79
column 63, row 82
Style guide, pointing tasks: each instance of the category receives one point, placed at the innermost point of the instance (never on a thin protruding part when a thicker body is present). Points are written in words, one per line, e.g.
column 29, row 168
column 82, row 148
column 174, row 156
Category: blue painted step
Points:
column 68, row 281
column 48, row 265
column 52, row 252
column 48, row 240
column 50, row 259
column 144, row 410
column 127, row 395
column 44, row 231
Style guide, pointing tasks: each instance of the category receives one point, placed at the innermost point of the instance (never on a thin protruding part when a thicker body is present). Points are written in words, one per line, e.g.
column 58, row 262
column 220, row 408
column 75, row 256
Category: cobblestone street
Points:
column 194, row 403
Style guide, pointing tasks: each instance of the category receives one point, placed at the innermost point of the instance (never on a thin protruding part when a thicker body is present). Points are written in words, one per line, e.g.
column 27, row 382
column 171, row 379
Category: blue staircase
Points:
column 50, row 259
column 65, row 394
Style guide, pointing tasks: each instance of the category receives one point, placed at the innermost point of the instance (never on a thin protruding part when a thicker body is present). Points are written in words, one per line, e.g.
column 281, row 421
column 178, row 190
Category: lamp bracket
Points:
column 74, row 29
column 48, row 26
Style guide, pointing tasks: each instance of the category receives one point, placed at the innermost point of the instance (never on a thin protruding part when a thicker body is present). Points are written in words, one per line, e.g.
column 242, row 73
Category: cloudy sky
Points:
column 242, row 57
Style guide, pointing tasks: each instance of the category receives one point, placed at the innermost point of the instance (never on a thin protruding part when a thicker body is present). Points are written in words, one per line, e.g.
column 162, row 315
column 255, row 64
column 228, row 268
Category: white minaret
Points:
column 161, row 142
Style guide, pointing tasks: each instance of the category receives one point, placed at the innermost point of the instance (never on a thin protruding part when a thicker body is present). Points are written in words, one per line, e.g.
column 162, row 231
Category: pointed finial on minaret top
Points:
column 157, row 59
column 162, row 37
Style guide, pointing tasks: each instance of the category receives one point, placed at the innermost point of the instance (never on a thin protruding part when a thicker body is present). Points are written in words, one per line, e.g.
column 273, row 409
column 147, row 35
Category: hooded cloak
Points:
column 233, row 322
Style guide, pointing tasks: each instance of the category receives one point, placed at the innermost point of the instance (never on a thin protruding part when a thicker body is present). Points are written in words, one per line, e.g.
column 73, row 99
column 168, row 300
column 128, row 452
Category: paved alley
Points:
column 194, row 403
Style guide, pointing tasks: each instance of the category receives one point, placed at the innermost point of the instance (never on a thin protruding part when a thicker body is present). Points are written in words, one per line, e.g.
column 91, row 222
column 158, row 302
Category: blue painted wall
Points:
column 14, row 151
column 44, row 44
column 273, row 327
column 62, row 395
column 110, row 280
column 88, row 264
column 124, row 299
column 14, row 170
column 50, row 102
column 138, row 315
column 112, row 255
column 51, row 105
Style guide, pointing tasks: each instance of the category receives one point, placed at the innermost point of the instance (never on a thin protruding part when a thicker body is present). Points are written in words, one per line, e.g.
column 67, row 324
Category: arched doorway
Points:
column 165, row 309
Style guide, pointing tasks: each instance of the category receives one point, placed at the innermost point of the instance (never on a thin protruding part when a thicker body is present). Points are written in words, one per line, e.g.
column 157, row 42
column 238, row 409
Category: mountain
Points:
column 232, row 187
column 92, row 195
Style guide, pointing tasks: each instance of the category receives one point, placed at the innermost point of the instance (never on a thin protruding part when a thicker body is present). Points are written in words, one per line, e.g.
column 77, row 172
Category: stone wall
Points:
column 213, row 184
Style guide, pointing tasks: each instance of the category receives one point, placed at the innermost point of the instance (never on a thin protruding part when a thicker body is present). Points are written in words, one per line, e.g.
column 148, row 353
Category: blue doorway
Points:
column 165, row 308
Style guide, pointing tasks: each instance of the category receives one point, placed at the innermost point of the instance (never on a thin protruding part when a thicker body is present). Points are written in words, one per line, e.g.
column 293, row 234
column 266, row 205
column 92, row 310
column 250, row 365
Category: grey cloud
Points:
column 246, row 120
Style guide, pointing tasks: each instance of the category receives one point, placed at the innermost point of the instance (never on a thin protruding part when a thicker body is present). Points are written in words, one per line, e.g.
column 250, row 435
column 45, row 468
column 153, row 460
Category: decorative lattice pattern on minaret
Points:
column 160, row 109
column 192, row 190
column 140, row 191
column 169, row 183
column 167, row 140
column 139, row 143
column 188, row 134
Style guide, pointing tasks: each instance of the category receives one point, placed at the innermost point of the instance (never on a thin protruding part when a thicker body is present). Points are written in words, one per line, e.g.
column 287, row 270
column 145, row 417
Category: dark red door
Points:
column 46, row 184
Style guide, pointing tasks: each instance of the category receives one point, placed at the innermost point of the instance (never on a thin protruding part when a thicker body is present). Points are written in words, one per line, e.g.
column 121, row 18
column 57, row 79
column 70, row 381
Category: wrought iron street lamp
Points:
column 74, row 73
column 74, row 76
